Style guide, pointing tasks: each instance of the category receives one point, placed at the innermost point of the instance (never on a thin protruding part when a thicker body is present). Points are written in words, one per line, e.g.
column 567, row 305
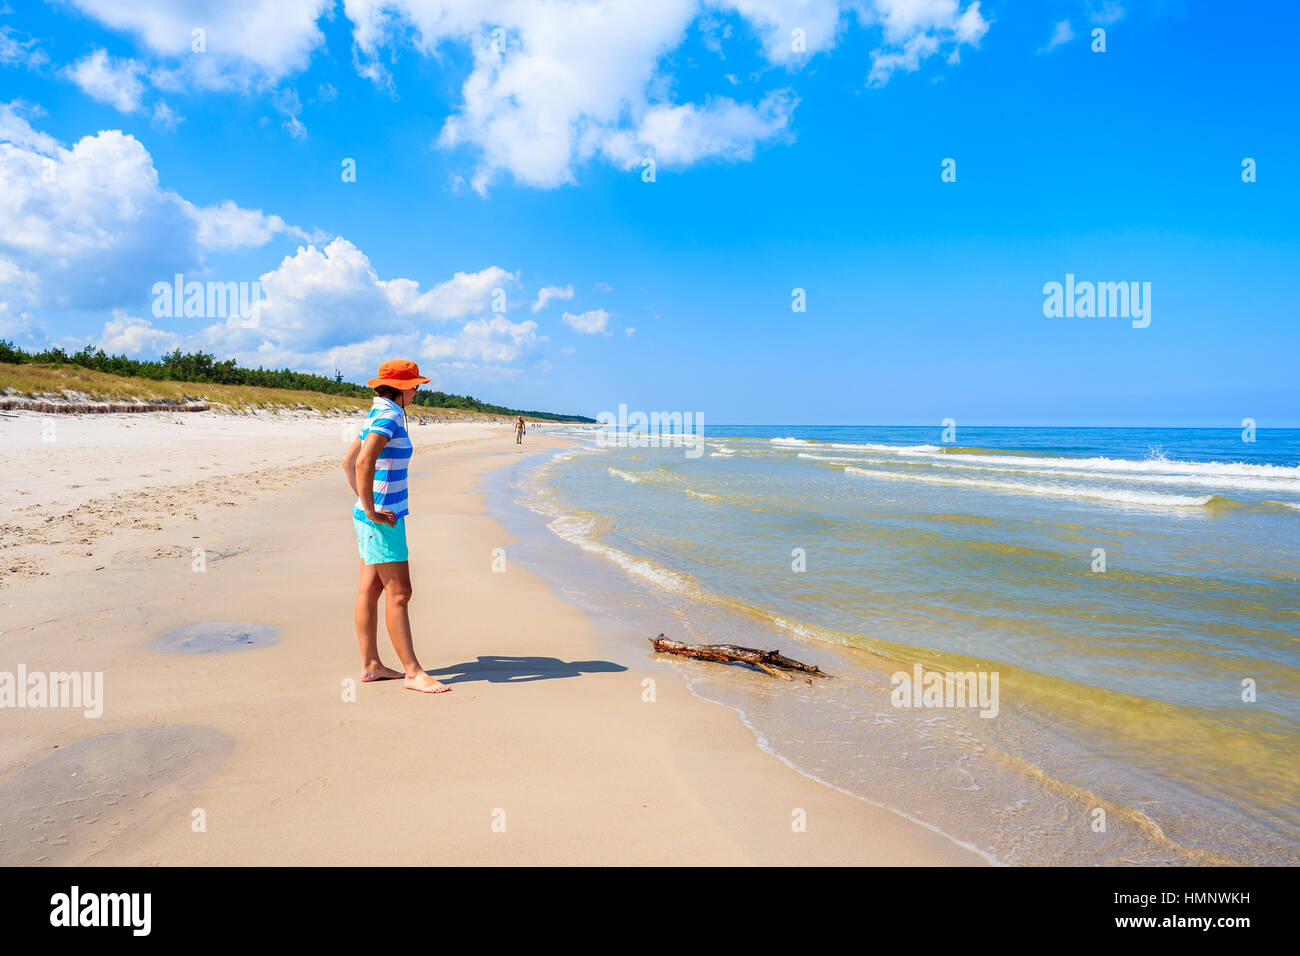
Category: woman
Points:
column 376, row 461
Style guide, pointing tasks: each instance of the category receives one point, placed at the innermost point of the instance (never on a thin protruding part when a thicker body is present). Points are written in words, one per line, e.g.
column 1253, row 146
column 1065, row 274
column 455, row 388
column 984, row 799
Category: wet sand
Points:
column 546, row 751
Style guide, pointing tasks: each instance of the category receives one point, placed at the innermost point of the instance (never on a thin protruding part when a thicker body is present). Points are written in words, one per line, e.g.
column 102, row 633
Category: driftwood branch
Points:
column 773, row 663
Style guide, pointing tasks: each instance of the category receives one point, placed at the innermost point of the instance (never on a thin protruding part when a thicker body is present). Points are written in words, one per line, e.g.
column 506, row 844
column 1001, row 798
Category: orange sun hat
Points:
column 399, row 373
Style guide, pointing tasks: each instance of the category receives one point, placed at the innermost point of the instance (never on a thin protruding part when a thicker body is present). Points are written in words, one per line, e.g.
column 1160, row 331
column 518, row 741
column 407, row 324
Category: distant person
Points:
column 377, row 462
column 520, row 428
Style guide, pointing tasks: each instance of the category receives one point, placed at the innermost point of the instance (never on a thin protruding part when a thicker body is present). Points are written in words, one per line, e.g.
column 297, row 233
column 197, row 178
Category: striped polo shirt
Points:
column 387, row 418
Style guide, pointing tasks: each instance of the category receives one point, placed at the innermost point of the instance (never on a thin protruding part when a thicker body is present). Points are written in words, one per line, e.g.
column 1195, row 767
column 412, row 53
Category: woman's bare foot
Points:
column 377, row 671
column 425, row 684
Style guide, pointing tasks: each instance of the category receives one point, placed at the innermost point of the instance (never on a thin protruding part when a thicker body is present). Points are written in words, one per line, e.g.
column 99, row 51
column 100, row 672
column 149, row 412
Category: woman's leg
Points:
column 396, row 578
column 368, row 592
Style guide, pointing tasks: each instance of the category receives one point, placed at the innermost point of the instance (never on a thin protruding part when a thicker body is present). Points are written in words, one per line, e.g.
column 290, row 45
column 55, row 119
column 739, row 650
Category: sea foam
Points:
column 1117, row 495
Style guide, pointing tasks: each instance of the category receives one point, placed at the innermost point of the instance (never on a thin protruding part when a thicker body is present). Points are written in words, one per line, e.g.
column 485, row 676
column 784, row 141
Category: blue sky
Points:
column 521, row 168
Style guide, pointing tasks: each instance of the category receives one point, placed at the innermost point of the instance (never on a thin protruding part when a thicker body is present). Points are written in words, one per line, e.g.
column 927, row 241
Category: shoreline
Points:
column 510, row 512
column 545, row 733
column 976, row 779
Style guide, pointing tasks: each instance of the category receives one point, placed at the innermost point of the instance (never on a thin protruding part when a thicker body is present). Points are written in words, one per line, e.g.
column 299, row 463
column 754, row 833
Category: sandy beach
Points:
column 546, row 752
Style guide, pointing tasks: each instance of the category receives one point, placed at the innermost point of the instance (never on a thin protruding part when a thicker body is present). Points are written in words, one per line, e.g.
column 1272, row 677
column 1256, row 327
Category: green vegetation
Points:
column 36, row 380
column 444, row 400
column 203, row 368
column 182, row 367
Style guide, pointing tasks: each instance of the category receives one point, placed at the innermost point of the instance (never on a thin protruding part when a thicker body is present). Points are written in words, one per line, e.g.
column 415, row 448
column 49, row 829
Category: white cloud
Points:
column 165, row 118
column 328, row 306
column 595, row 322
column 916, row 29
column 553, row 84
column 21, row 284
column 574, row 81
column 290, row 106
column 565, row 82
column 604, row 287
column 682, row 135
column 90, row 227
column 359, row 359
column 249, row 44
column 489, row 341
column 109, row 80
column 629, row 331
column 776, row 20
column 22, row 328
column 125, row 335
column 546, row 293
column 1061, row 33
column 16, row 50
column 884, row 63
column 713, row 30
column 904, row 19
column 226, row 227
column 463, row 293
column 1106, row 12
column 485, row 347
column 15, row 129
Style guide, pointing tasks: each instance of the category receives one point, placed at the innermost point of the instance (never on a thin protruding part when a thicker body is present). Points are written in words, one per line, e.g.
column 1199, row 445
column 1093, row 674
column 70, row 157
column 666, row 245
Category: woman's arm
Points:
column 350, row 464
column 364, row 477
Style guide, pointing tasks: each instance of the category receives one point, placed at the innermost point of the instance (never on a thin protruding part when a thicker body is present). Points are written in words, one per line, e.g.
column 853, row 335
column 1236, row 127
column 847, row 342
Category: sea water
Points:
column 1134, row 591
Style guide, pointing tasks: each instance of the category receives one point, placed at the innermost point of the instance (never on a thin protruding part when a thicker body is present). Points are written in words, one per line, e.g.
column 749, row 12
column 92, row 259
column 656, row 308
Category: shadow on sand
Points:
column 516, row 670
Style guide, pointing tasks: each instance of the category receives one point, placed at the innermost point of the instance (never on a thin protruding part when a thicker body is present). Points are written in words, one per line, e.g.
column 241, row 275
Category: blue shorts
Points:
column 379, row 543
